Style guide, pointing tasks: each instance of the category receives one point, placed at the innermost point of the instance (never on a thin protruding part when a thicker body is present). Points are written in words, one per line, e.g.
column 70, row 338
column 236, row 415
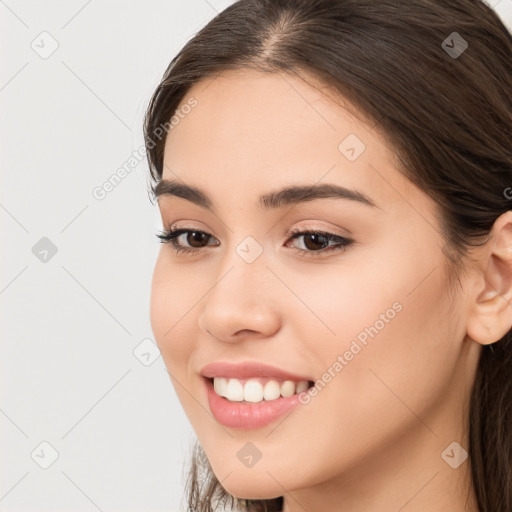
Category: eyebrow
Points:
column 272, row 200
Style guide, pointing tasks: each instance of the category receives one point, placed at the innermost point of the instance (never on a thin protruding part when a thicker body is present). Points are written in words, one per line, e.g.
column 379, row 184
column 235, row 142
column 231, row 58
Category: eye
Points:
column 316, row 242
column 192, row 236
column 314, row 238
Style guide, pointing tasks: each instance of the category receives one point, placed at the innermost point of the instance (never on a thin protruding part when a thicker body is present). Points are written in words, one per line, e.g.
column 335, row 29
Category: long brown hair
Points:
column 434, row 77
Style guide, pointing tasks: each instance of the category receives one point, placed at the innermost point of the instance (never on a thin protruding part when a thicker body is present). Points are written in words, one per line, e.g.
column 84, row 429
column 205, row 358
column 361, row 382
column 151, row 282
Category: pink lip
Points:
column 248, row 415
column 247, row 369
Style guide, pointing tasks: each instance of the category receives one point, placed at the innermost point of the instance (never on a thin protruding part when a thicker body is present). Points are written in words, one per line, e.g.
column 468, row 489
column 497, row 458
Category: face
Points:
column 366, row 314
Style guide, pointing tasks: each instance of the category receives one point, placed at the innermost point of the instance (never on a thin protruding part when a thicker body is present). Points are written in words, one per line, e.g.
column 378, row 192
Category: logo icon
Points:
column 146, row 352
column 454, row 455
column 44, row 455
column 44, row 45
column 249, row 455
column 455, row 45
column 351, row 147
column 249, row 249
column 44, row 250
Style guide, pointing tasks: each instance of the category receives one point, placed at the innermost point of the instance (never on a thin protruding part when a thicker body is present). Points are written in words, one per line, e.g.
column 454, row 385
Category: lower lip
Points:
column 248, row 415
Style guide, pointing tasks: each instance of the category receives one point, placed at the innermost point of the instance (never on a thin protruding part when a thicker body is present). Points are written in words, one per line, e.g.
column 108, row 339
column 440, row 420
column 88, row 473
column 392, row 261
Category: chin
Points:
column 251, row 485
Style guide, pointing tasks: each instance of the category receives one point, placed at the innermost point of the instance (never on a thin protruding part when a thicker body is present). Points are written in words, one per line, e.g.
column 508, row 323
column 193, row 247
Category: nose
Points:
column 241, row 304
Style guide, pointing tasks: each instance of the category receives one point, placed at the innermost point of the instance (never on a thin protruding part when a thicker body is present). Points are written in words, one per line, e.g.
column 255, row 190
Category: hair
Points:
column 448, row 119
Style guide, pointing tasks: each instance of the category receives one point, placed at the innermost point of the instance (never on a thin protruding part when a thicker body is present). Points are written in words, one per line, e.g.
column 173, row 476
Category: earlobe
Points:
column 490, row 316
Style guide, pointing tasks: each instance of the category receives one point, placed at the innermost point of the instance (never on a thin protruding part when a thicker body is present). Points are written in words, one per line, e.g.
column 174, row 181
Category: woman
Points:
column 332, row 300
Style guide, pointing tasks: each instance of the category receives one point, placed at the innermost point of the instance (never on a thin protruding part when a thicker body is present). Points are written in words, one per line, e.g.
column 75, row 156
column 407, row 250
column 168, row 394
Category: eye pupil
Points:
column 320, row 240
column 196, row 236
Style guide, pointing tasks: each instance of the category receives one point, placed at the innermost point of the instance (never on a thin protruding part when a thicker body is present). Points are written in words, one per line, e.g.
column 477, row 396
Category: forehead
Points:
column 245, row 113
column 251, row 132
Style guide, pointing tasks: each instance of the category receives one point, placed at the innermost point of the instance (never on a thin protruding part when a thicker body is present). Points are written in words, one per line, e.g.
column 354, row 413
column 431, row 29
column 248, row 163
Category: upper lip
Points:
column 247, row 369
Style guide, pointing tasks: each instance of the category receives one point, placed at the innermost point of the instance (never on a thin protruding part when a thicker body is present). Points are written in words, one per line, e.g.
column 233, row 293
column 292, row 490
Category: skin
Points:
column 372, row 438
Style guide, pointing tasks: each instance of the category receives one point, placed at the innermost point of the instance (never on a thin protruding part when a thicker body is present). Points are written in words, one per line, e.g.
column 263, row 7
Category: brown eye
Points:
column 316, row 243
column 196, row 237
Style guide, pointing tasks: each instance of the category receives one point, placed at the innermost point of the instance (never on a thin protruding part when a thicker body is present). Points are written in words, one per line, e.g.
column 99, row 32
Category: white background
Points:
column 80, row 372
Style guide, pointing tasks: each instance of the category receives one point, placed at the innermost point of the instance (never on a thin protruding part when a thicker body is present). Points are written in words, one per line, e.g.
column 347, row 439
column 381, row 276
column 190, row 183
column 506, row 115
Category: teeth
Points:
column 255, row 391
column 302, row 386
column 235, row 390
column 272, row 390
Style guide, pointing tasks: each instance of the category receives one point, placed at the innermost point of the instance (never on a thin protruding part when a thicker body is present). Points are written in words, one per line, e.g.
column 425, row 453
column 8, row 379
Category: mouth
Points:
column 255, row 404
column 257, row 389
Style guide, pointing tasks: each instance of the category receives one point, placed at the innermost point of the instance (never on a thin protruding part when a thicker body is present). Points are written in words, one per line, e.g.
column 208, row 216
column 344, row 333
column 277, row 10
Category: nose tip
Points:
column 242, row 304
column 234, row 323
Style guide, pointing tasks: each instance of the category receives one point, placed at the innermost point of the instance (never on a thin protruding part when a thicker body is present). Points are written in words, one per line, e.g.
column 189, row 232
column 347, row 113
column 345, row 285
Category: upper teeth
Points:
column 254, row 390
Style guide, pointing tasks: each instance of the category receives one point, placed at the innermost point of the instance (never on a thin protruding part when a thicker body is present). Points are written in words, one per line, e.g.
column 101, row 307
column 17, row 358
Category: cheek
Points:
column 401, row 374
column 173, row 315
column 385, row 342
column 392, row 300
column 171, row 311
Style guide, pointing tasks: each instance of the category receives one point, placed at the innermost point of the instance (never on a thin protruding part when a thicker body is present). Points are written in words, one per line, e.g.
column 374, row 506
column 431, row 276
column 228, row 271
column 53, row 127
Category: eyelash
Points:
column 170, row 236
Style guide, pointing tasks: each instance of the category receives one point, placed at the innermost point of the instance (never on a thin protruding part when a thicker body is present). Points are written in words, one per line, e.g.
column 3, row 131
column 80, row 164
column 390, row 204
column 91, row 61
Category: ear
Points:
column 490, row 314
